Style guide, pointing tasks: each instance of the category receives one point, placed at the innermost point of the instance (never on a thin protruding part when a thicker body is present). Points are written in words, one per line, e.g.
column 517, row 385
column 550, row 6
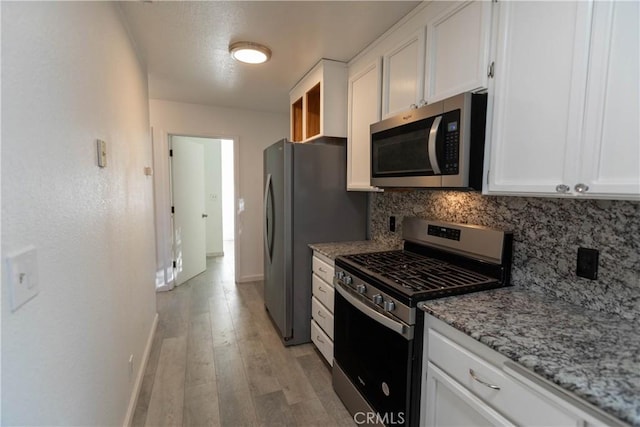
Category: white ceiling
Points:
column 185, row 45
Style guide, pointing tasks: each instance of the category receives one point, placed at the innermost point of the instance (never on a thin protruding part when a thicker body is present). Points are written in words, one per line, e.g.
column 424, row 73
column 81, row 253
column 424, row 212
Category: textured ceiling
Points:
column 185, row 45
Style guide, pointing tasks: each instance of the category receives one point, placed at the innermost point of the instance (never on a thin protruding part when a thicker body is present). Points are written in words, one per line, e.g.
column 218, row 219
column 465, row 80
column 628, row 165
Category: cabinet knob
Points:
column 562, row 188
column 581, row 188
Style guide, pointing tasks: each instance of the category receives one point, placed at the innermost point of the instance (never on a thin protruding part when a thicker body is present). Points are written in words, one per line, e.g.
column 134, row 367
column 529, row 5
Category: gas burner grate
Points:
column 418, row 273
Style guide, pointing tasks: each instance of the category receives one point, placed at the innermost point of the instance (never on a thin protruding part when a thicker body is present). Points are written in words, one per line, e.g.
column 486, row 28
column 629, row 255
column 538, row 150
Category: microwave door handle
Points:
column 433, row 133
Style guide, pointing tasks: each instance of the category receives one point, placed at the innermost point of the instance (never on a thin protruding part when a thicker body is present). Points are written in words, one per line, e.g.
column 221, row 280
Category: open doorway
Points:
column 219, row 191
column 200, row 223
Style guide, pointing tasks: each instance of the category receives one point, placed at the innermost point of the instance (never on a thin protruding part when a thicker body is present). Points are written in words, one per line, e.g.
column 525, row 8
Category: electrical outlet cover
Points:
column 22, row 268
column 587, row 265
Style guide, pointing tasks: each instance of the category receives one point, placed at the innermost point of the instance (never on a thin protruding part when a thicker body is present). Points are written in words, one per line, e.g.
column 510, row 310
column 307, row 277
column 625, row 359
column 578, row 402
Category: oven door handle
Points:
column 395, row 326
column 433, row 156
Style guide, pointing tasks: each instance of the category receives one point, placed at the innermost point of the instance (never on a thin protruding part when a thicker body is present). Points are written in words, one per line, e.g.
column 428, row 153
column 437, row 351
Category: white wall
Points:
column 253, row 131
column 69, row 76
column 227, row 189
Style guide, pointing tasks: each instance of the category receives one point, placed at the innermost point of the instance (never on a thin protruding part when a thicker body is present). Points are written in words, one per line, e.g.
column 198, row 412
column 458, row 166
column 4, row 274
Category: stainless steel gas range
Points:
column 378, row 329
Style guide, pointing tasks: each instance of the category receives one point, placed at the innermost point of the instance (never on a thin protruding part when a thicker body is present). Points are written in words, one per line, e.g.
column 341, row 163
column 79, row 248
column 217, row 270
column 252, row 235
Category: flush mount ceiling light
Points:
column 249, row 52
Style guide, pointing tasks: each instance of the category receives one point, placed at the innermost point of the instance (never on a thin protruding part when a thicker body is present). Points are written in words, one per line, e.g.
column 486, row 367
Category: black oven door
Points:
column 376, row 359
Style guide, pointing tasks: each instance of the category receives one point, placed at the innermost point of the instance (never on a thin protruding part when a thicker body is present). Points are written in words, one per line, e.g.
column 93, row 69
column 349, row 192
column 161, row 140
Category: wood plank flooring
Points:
column 216, row 360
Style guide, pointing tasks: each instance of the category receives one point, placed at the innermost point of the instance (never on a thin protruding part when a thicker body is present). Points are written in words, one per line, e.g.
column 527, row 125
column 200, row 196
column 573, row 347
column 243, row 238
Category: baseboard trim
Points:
column 214, row 254
column 133, row 400
column 253, row 278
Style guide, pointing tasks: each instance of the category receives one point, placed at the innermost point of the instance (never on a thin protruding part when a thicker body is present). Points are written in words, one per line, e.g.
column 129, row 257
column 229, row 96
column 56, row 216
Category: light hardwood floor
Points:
column 216, row 360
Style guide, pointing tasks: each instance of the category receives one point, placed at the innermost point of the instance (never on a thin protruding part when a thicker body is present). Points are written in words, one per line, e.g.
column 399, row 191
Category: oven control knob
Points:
column 347, row 280
column 377, row 299
column 339, row 275
column 361, row 288
column 389, row 306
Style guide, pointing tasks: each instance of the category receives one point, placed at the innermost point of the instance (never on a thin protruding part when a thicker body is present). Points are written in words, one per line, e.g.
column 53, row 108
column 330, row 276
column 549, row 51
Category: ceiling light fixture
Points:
column 249, row 52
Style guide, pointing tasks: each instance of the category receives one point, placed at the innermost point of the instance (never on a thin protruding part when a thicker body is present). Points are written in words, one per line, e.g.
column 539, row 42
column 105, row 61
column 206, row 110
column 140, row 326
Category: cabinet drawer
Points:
column 322, row 316
column 323, row 269
column 512, row 399
column 322, row 341
column 323, row 292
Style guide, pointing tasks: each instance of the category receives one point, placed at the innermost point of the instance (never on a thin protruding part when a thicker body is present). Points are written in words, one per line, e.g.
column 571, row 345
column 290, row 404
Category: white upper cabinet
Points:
column 457, row 50
column 611, row 144
column 446, row 55
column 565, row 100
column 403, row 75
column 319, row 102
column 364, row 109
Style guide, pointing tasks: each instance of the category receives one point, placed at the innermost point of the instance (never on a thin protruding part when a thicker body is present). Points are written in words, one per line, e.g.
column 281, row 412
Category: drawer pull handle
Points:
column 319, row 339
column 320, row 314
column 473, row 375
column 321, row 290
column 322, row 270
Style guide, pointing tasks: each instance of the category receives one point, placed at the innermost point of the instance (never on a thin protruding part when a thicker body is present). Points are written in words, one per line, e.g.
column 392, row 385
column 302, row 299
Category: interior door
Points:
column 189, row 223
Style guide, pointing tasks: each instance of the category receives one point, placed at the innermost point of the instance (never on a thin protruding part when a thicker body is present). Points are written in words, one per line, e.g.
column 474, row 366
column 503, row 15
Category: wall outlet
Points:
column 587, row 265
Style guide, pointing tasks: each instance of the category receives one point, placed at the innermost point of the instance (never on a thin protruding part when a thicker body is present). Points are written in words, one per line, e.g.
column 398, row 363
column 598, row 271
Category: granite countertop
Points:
column 334, row 249
column 593, row 354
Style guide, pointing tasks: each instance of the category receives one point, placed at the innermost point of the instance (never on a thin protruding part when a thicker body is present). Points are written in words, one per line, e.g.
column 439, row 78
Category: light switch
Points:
column 22, row 268
column 102, row 153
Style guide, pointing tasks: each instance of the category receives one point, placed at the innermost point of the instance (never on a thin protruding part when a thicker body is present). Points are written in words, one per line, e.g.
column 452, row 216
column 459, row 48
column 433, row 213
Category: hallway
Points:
column 216, row 360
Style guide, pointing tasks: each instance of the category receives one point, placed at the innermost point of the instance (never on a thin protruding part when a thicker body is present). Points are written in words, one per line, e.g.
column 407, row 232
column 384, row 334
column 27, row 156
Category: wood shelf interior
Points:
column 296, row 120
column 313, row 111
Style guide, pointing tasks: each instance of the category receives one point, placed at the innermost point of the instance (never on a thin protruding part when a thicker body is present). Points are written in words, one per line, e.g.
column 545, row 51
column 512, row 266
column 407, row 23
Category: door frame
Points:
column 166, row 135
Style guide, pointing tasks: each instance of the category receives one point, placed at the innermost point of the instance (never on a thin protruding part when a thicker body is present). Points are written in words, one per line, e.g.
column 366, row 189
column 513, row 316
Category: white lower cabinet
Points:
column 451, row 404
column 322, row 305
column 467, row 383
column 322, row 342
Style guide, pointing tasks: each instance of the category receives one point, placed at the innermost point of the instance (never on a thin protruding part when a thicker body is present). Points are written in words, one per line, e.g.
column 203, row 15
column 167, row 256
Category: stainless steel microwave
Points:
column 440, row 145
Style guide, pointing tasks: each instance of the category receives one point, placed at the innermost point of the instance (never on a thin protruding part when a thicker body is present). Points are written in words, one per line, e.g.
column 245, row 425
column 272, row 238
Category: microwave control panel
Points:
column 451, row 146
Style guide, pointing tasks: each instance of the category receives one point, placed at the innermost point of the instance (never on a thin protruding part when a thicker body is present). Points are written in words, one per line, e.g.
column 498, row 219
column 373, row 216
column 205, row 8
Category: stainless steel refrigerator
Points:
column 305, row 201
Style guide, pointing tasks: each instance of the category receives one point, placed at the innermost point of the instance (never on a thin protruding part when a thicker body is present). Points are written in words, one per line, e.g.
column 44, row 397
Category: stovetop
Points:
column 438, row 259
column 419, row 276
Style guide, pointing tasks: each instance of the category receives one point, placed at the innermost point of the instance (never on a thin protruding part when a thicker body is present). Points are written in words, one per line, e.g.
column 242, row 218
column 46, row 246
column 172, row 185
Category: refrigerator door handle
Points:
column 267, row 231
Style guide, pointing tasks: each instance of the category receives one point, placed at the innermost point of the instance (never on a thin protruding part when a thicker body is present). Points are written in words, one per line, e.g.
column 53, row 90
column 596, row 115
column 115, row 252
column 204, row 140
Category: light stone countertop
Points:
column 593, row 354
column 335, row 249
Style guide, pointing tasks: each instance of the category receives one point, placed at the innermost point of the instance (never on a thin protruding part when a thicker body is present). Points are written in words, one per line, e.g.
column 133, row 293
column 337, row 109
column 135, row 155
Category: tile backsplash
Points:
column 547, row 234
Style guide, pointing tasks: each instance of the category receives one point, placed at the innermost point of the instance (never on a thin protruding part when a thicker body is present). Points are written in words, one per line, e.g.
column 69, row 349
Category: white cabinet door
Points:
column 538, row 95
column 403, row 81
column 364, row 109
column 611, row 149
column 458, row 50
column 450, row 404
column 566, row 100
